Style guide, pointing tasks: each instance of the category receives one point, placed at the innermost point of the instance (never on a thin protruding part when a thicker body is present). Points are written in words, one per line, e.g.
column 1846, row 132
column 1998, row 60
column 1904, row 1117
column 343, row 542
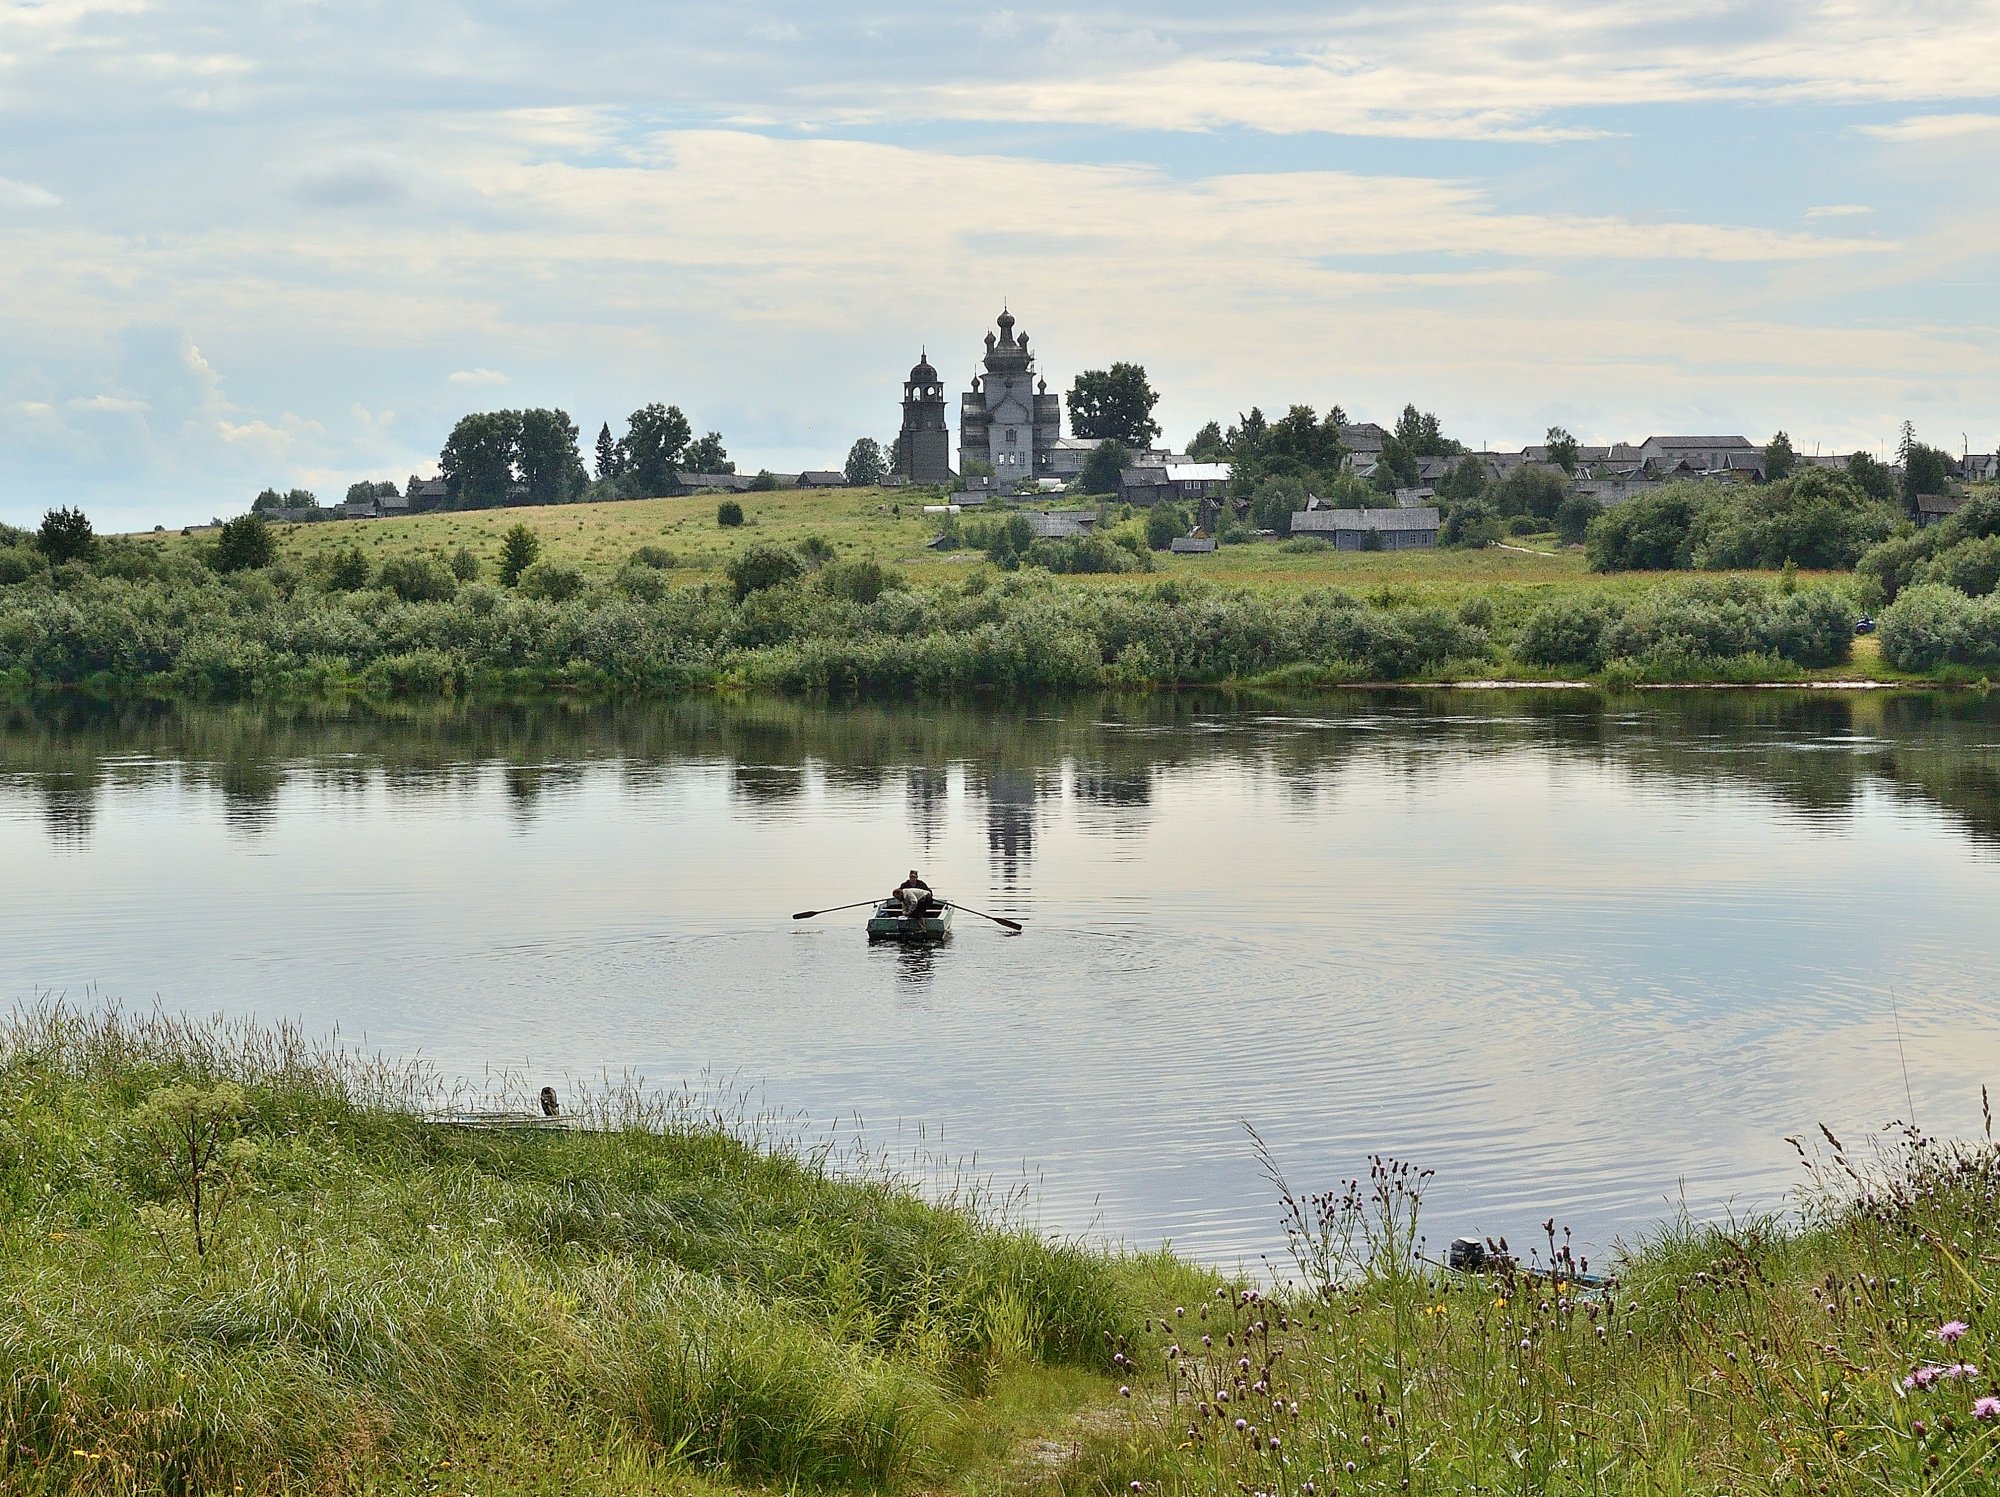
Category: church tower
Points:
column 1006, row 419
column 923, row 448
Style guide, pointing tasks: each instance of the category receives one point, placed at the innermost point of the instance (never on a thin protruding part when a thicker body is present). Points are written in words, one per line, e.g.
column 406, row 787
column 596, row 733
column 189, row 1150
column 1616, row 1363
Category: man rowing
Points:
column 913, row 894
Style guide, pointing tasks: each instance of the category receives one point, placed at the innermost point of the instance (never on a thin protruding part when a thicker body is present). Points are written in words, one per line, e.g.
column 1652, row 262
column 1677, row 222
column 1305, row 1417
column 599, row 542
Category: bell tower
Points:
column 923, row 447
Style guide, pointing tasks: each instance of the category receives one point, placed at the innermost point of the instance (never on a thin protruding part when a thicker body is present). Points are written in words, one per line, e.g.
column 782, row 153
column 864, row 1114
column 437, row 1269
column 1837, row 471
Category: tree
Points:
column 1562, row 449
column 245, row 544
column 1164, row 523
column 464, row 565
column 655, row 447
column 66, row 536
column 865, row 464
column 1529, row 490
column 765, row 482
column 708, row 455
column 518, row 549
column 1114, row 405
column 477, row 463
column 1102, row 469
column 1874, row 478
column 610, row 461
column 1573, row 517
column 1275, row 501
column 269, row 499
column 1779, row 459
column 1926, row 470
column 1465, row 482
column 357, row 493
column 1208, row 445
column 549, row 465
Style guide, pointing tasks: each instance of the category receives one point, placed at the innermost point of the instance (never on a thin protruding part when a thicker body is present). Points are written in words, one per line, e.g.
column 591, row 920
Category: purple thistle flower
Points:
column 1951, row 1330
column 1986, row 1408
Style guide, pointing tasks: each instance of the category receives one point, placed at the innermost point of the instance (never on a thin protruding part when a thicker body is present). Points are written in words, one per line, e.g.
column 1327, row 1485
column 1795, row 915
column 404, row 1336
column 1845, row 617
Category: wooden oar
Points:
column 808, row 914
column 1013, row 925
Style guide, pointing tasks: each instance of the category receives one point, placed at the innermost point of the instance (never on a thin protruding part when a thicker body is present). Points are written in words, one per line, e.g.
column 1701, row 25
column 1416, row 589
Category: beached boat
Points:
column 890, row 922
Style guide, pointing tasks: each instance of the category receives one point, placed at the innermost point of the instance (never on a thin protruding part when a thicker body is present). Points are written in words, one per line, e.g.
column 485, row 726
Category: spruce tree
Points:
column 608, row 464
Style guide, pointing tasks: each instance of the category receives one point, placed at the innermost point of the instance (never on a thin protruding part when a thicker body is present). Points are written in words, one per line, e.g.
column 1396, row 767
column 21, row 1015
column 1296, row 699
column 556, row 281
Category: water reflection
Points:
column 1567, row 949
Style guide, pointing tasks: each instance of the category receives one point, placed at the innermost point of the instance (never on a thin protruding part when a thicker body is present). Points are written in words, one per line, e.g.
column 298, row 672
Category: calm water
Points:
column 1582, row 958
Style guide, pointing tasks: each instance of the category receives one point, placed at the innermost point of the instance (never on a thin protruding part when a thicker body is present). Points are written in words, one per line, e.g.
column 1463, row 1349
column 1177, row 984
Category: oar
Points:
column 1013, row 925
column 808, row 914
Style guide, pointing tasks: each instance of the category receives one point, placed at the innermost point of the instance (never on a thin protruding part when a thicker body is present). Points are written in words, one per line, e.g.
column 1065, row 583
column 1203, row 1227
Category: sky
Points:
column 248, row 243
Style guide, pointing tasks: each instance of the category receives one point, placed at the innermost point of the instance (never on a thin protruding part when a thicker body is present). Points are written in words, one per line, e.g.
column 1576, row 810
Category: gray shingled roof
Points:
column 1060, row 524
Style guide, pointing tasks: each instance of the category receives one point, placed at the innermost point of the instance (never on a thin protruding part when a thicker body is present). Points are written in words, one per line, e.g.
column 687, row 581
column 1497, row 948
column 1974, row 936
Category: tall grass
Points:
column 1847, row 1350
column 651, row 1291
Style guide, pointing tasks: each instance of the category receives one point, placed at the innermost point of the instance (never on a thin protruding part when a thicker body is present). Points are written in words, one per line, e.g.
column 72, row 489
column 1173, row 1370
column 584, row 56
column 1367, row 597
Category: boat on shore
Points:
column 890, row 920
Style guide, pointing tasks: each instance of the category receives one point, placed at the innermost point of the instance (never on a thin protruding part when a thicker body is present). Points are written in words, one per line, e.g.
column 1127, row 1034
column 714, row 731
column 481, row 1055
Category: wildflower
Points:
column 1124, row 1390
column 1986, row 1408
column 1241, row 1425
column 1435, row 1310
column 1951, row 1330
column 1274, row 1442
column 1924, row 1377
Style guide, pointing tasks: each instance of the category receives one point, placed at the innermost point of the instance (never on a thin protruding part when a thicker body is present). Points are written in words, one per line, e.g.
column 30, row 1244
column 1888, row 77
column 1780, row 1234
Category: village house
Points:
column 1371, row 529
column 1175, row 481
column 1059, row 524
column 1933, row 508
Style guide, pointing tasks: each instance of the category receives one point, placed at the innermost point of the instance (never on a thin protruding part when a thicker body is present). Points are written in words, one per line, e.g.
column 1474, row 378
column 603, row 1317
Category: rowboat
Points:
column 890, row 922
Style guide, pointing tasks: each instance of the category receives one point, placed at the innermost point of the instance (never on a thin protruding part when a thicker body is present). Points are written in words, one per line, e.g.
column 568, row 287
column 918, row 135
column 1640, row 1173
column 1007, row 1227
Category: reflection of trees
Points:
column 1816, row 753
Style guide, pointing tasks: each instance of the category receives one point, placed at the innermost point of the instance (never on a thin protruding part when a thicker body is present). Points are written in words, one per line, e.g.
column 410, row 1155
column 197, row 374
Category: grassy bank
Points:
column 361, row 1300
column 382, row 1304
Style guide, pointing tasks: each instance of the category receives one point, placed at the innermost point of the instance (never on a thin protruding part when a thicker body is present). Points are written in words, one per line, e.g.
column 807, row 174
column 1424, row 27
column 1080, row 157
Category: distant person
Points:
column 550, row 1107
column 914, row 881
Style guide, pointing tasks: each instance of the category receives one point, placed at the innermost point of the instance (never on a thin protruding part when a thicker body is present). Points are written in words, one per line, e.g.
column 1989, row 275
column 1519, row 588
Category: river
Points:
column 1586, row 958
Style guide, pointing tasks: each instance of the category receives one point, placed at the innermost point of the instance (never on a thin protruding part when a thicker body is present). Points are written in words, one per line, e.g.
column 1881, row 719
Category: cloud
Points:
column 352, row 184
column 476, row 377
column 15, row 194
column 1839, row 210
column 117, row 404
column 1928, row 127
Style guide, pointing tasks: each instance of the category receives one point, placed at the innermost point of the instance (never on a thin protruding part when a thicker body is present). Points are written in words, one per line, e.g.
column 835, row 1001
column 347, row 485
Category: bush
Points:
column 859, row 581
column 1163, row 523
column 765, row 482
column 464, row 565
column 519, row 548
column 349, row 571
column 1932, row 625
column 763, row 566
column 1569, row 632
column 729, row 513
column 816, row 550
column 19, row 563
column 1524, row 525
column 552, row 581
column 1820, row 519
column 418, row 579
column 1971, row 566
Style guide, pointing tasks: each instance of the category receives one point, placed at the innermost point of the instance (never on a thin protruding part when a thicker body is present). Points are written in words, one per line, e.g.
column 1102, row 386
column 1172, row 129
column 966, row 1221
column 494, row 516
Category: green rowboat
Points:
column 890, row 922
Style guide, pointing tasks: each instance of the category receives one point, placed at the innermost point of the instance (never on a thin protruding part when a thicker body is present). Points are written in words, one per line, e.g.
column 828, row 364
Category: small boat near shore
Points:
column 891, row 921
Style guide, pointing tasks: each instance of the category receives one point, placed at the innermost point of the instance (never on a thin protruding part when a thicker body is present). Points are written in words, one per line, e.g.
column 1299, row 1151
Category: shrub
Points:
column 19, row 563
column 1163, row 523
column 1568, row 632
column 1524, row 525
column 1820, row 519
column 1932, row 625
column 729, row 513
column 416, row 673
column 765, row 482
column 1971, row 566
column 816, row 550
column 349, row 571
column 553, row 581
column 1305, row 545
column 417, row 578
column 519, row 548
column 862, row 580
column 464, row 565
column 659, row 558
column 761, row 567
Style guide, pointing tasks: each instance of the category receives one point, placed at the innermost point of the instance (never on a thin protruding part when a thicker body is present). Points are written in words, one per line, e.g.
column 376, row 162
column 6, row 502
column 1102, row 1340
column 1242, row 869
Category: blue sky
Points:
column 256, row 243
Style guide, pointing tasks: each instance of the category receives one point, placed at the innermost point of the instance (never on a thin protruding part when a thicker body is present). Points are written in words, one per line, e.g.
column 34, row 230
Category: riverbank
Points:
column 661, row 1302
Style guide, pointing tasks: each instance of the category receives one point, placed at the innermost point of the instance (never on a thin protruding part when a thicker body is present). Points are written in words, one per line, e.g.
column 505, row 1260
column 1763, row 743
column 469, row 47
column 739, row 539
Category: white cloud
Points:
column 476, row 377
column 15, row 194
column 1839, row 210
column 117, row 404
column 1928, row 127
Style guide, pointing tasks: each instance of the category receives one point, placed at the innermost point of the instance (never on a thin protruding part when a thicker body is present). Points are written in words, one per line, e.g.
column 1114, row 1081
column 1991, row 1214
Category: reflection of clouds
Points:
column 1568, row 960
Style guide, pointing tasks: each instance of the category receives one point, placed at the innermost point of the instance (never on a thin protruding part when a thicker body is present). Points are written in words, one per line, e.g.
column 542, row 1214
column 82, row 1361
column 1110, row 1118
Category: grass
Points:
column 652, row 1303
column 673, row 1299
